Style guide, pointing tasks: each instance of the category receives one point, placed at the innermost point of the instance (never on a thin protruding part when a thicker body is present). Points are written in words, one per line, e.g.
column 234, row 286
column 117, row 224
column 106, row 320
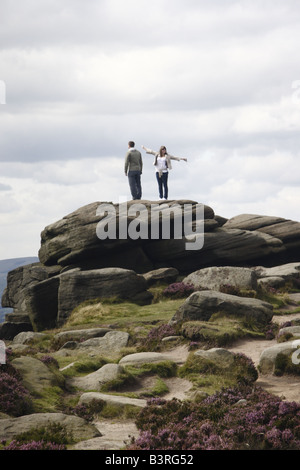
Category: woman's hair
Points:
column 160, row 153
column 161, row 149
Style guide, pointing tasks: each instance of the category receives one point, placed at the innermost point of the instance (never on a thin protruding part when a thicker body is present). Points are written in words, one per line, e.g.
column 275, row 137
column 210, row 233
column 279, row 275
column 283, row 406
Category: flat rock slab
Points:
column 82, row 334
column 286, row 271
column 144, row 358
column 111, row 343
column 111, row 399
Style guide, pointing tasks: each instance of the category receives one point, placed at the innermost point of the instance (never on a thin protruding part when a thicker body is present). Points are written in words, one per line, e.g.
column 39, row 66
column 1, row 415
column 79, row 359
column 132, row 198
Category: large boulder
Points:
column 79, row 286
column 201, row 305
column 216, row 277
column 95, row 380
column 287, row 271
column 220, row 356
column 111, row 343
column 238, row 241
column 32, row 292
column 222, row 247
column 288, row 231
column 49, row 303
column 268, row 358
column 36, row 376
column 21, row 278
column 74, row 239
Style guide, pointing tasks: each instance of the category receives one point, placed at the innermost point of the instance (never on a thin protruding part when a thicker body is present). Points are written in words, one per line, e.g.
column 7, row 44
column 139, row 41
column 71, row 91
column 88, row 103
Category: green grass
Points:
column 132, row 375
column 210, row 376
column 219, row 331
column 123, row 315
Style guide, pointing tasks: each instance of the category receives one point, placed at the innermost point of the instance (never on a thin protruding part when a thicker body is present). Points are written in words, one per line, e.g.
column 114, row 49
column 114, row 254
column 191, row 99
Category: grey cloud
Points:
column 211, row 80
column 5, row 187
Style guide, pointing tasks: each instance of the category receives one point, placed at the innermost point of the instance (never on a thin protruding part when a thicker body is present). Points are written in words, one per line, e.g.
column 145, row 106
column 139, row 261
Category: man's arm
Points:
column 126, row 163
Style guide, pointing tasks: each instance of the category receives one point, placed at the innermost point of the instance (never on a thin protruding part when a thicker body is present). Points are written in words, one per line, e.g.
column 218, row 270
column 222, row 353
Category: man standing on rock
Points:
column 133, row 168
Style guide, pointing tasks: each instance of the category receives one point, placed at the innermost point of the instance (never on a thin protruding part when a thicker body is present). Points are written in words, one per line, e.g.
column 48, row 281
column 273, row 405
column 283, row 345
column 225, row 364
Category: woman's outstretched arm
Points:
column 149, row 150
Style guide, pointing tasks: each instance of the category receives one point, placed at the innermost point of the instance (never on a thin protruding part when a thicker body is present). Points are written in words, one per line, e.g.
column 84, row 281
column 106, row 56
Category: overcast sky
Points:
column 216, row 81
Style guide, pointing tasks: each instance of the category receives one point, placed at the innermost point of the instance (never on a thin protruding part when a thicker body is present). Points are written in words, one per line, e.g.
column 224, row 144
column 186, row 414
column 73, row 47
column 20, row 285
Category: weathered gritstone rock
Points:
column 269, row 355
column 220, row 356
column 277, row 276
column 73, row 239
column 293, row 330
column 203, row 304
column 95, row 380
column 49, row 303
column 285, row 230
column 144, row 358
column 77, row 427
column 26, row 337
column 215, row 277
column 286, row 271
column 111, row 343
column 117, row 400
column 167, row 275
column 79, row 286
column 36, row 376
column 71, row 256
column 81, row 334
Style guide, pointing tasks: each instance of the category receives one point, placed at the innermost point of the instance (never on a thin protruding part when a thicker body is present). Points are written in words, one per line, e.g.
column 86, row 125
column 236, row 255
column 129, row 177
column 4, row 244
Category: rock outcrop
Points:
column 76, row 265
column 48, row 303
column 242, row 240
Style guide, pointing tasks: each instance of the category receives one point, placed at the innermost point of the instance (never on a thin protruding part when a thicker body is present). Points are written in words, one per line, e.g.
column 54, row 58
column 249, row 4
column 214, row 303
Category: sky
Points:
column 215, row 81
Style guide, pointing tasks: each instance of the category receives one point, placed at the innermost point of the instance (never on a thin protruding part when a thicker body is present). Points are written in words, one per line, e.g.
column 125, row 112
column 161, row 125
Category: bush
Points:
column 177, row 290
column 86, row 411
column 40, row 445
column 233, row 419
column 15, row 400
column 153, row 340
column 54, row 437
column 210, row 375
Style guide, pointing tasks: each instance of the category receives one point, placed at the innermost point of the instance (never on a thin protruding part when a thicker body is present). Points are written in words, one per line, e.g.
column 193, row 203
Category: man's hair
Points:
column 131, row 143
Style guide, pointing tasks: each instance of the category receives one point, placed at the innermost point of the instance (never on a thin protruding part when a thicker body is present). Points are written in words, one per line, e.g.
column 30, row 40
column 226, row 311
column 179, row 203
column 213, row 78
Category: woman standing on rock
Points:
column 162, row 163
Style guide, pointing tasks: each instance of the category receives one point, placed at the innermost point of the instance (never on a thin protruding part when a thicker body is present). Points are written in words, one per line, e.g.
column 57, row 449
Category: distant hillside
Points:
column 7, row 265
